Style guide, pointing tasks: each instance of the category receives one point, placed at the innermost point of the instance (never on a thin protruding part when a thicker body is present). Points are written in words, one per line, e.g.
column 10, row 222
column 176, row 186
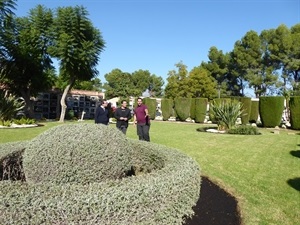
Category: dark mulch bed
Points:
column 214, row 207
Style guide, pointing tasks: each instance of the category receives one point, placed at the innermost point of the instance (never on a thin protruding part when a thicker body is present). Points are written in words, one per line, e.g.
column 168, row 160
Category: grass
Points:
column 262, row 171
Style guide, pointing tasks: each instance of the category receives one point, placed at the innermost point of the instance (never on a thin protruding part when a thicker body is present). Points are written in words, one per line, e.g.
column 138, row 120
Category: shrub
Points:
column 226, row 113
column 182, row 108
column 166, row 108
column 246, row 109
column 70, row 115
column 166, row 195
column 244, row 129
column 24, row 120
column 151, row 104
column 11, row 158
column 193, row 109
column 294, row 105
column 270, row 110
column 67, row 153
column 9, row 105
column 200, row 109
column 254, row 112
column 216, row 101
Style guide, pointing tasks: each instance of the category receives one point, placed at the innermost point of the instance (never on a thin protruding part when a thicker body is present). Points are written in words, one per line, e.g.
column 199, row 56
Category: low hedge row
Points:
column 164, row 185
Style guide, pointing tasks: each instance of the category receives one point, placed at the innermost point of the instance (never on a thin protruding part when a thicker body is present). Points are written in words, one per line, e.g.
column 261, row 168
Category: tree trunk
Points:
column 63, row 100
column 29, row 104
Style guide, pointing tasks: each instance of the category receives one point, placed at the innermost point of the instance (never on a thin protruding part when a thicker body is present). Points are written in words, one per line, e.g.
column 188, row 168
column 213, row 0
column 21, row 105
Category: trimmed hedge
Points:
column 246, row 109
column 294, row 105
column 151, row 104
column 182, row 108
column 200, row 109
column 254, row 112
column 167, row 108
column 163, row 188
column 193, row 109
column 270, row 110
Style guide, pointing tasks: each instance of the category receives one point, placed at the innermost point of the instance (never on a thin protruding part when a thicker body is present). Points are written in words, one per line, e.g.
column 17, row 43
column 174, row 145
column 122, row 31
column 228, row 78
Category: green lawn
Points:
column 262, row 171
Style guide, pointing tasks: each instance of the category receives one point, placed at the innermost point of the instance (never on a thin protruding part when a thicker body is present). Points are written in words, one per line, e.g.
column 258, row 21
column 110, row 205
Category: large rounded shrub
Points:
column 81, row 153
column 162, row 189
column 270, row 110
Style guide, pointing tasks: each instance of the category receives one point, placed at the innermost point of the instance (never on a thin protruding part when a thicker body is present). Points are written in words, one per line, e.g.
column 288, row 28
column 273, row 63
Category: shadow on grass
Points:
column 215, row 206
column 295, row 153
column 294, row 183
column 203, row 129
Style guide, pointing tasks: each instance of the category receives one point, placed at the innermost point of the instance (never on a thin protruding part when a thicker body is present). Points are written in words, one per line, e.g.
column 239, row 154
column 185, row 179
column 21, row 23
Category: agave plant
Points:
column 226, row 113
column 9, row 105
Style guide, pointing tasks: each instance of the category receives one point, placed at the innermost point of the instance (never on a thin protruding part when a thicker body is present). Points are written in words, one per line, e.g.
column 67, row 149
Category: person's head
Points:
column 123, row 103
column 104, row 103
column 139, row 101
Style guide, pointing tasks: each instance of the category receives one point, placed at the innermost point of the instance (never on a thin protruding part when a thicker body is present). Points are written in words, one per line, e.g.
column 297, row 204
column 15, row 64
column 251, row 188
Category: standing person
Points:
column 142, row 120
column 102, row 114
column 123, row 115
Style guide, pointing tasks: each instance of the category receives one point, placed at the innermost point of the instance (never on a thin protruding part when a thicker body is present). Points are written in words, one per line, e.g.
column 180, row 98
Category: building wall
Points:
column 47, row 104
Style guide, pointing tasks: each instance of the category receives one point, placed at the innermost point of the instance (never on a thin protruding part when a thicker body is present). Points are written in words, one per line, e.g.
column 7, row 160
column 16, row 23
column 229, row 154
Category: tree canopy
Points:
column 124, row 84
column 196, row 83
column 77, row 45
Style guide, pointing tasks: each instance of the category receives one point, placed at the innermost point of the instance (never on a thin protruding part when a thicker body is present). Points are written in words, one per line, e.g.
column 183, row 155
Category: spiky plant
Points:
column 9, row 105
column 226, row 113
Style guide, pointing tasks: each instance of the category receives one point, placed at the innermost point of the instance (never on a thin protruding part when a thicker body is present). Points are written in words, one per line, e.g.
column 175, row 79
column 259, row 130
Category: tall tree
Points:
column 77, row 45
column 94, row 84
column 6, row 14
column 28, row 67
column 248, row 58
column 143, row 80
column 7, row 8
column 156, row 86
column 219, row 68
column 293, row 65
column 178, row 84
column 123, row 84
column 91, row 85
column 285, row 50
column 119, row 84
column 172, row 85
column 201, row 83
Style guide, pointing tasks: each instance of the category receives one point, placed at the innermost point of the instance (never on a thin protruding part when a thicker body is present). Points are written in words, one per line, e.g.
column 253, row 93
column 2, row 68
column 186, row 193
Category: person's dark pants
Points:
column 143, row 132
column 123, row 129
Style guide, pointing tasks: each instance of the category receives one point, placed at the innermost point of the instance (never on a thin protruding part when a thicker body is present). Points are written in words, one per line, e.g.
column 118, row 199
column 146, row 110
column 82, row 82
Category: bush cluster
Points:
column 244, row 130
column 163, row 185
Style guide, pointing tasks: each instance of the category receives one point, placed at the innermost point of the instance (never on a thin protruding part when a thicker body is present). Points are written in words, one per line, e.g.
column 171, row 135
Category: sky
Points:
column 154, row 35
